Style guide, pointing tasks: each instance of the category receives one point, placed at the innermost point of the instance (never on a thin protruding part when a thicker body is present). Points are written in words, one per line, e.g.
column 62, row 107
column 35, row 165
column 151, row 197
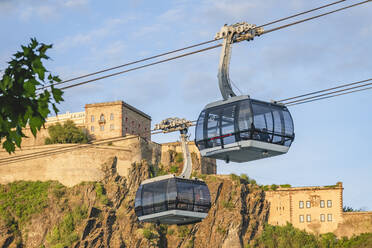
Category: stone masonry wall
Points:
column 354, row 223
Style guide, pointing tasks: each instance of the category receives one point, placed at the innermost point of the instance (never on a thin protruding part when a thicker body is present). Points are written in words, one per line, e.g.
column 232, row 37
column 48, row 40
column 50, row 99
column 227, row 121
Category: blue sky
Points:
column 333, row 137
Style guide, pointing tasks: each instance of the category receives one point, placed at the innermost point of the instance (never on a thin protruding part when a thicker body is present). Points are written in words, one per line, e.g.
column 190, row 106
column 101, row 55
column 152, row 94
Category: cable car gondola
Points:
column 170, row 199
column 238, row 128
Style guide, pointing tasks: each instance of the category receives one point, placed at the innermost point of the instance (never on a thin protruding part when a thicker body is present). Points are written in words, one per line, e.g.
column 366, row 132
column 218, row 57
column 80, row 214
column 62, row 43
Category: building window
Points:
column 111, row 116
column 322, row 203
column 329, row 203
column 301, row 204
column 329, row 217
column 92, row 118
column 92, row 128
column 308, row 218
column 112, row 127
column 139, row 125
column 301, row 219
column 322, row 217
column 102, row 118
column 308, row 204
column 102, row 127
column 126, row 119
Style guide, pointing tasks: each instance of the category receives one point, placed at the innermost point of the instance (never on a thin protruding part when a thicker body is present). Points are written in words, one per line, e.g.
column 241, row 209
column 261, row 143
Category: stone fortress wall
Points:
column 72, row 164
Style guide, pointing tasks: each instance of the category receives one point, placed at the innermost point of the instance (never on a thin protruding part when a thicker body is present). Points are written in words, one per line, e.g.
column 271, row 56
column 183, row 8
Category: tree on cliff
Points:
column 66, row 133
column 24, row 96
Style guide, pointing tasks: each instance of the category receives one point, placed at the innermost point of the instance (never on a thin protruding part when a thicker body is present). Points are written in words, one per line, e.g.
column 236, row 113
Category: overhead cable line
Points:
column 332, row 93
column 299, row 14
column 140, row 67
column 211, row 47
column 130, row 63
column 326, row 97
column 314, row 17
column 185, row 48
column 321, row 91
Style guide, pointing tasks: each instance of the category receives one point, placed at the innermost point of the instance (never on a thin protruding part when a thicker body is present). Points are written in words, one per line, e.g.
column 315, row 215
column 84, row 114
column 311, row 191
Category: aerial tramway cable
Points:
column 184, row 48
column 207, row 48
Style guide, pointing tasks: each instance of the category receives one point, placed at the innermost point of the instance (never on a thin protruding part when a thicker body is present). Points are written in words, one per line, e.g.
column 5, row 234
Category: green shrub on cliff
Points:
column 63, row 234
column 289, row 236
column 66, row 133
column 22, row 199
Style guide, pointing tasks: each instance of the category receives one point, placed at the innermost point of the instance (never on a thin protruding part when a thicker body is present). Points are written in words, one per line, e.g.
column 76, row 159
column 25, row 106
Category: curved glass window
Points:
column 245, row 120
column 199, row 131
column 228, row 124
column 213, row 128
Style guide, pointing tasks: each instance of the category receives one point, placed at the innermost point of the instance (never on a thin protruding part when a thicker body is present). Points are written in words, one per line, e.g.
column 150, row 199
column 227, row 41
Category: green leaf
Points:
column 26, row 50
column 35, row 122
column 57, row 94
column 29, row 88
column 9, row 146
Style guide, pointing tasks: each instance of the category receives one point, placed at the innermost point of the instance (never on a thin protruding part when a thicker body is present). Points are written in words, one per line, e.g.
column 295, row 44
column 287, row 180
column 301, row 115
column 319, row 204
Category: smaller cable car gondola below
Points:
column 171, row 199
column 238, row 128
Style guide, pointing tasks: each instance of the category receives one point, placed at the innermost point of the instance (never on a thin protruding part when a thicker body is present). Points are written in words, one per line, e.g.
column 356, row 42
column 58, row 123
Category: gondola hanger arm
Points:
column 176, row 124
column 232, row 34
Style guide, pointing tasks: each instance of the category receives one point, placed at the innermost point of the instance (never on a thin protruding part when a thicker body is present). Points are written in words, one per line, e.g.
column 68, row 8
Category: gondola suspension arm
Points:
column 176, row 124
column 232, row 34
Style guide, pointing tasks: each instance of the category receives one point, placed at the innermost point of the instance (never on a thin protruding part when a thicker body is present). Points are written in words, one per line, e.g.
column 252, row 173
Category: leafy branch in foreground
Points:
column 21, row 102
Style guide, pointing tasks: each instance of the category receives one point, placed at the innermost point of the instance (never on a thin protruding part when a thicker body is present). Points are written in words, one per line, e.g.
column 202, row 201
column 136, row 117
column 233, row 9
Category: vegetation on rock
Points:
column 64, row 234
column 289, row 236
column 66, row 133
column 20, row 200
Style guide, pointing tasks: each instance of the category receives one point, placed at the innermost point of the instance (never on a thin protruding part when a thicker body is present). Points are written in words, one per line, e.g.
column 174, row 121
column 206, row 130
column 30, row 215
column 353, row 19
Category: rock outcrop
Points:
column 101, row 214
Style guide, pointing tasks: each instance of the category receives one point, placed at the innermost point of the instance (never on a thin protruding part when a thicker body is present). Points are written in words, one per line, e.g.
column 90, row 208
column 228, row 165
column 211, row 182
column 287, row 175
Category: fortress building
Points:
column 316, row 209
column 100, row 121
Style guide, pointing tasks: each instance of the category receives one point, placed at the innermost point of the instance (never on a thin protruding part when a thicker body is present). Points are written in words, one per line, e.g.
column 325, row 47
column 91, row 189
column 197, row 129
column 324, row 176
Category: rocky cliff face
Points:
column 101, row 214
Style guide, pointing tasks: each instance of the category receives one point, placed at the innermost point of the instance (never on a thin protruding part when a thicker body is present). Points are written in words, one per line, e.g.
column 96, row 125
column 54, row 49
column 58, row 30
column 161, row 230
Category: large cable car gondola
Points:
column 170, row 199
column 238, row 128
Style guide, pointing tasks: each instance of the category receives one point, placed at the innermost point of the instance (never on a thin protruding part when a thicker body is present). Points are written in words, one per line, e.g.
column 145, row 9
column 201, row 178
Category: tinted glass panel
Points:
column 213, row 128
column 288, row 123
column 172, row 193
column 185, row 196
column 202, row 198
column 278, row 126
column 245, row 120
column 199, row 134
column 147, row 200
column 138, row 202
column 227, row 124
column 261, row 118
column 160, row 189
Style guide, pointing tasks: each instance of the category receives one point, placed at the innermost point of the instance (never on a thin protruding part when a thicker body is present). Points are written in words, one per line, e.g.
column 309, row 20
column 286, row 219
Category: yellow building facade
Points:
column 316, row 209
column 100, row 121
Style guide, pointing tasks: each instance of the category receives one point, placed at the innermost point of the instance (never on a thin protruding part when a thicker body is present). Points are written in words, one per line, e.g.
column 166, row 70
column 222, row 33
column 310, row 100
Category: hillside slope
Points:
column 101, row 214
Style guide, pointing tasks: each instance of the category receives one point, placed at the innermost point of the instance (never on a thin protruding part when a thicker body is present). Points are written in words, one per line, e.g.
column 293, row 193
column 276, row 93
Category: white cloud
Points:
column 109, row 26
column 75, row 3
